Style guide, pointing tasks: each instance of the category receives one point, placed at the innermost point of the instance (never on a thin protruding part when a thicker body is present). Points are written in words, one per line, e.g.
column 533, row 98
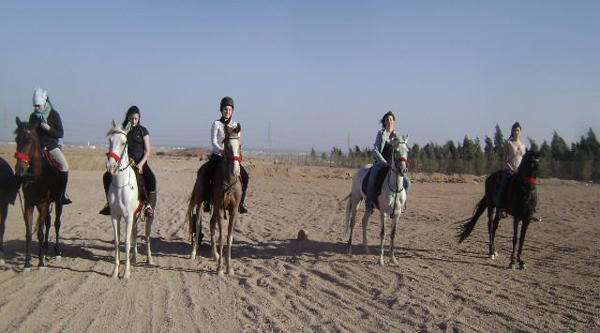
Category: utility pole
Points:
column 269, row 143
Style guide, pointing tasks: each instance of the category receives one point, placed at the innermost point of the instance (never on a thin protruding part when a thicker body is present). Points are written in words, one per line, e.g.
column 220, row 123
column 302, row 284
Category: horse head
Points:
column 28, row 148
column 400, row 153
column 530, row 166
column 232, row 148
column 117, row 147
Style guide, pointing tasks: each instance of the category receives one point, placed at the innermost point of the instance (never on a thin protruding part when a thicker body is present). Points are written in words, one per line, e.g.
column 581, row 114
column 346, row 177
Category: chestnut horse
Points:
column 41, row 188
column 225, row 198
column 521, row 200
column 8, row 193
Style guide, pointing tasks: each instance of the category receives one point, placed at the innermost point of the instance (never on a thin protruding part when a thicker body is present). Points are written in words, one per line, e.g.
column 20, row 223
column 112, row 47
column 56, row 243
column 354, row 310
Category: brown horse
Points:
column 226, row 194
column 8, row 193
column 41, row 187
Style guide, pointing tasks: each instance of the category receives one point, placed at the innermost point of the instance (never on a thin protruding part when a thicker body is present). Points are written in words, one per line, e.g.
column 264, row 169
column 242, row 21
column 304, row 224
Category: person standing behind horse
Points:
column 49, row 128
column 217, row 134
column 382, row 152
column 138, row 148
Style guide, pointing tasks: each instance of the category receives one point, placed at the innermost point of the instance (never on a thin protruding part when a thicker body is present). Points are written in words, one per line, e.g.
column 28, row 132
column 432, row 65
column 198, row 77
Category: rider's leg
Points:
column 242, row 209
column 150, row 183
column 406, row 183
column 502, row 193
column 63, row 178
column 106, row 182
column 371, row 187
column 208, row 175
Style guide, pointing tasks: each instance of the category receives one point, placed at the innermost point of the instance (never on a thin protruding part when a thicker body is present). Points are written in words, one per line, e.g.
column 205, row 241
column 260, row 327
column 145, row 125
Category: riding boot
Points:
column 63, row 179
column 242, row 208
column 106, row 182
column 151, row 204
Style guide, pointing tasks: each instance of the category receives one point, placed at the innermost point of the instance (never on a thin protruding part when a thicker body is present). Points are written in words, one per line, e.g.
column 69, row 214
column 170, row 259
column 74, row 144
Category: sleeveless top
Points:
column 514, row 155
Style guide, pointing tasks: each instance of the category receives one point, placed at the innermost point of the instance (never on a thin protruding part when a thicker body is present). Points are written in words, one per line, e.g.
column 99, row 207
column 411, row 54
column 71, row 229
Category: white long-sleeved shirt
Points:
column 217, row 135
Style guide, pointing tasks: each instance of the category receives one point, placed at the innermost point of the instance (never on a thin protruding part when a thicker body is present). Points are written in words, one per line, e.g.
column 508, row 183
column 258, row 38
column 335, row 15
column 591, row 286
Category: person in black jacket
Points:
column 138, row 149
column 48, row 125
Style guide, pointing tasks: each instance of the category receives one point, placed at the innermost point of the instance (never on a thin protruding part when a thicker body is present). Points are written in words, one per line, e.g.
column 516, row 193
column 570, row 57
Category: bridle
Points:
column 118, row 158
column 232, row 158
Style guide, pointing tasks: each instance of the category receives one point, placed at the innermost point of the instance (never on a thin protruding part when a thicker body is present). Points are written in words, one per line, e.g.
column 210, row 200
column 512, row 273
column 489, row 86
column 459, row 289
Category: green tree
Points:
column 534, row 146
column 498, row 141
column 560, row 150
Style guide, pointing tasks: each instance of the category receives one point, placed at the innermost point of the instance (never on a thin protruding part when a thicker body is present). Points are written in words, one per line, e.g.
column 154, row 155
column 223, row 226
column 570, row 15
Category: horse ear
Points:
column 238, row 128
column 127, row 128
column 113, row 123
column 18, row 121
column 405, row 138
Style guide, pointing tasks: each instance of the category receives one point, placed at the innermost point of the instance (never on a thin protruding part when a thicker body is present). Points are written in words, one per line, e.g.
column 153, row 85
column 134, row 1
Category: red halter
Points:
column 22, row 157
column 403, row 159
column 235, row 158
column 113, row 155
column 531, row 180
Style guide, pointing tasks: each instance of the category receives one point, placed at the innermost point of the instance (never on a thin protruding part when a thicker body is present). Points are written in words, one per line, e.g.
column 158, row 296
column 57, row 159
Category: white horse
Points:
column 391, row 200
column 123, row 197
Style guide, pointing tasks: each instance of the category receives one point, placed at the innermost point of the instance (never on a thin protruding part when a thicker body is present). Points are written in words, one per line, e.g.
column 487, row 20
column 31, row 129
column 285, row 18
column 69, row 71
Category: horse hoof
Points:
column 221, row 274
column 26, row 269
column 492, row 256
column 230, row 272
column 394, row 261
column 381, row 263
column 149, row 262
column 522, row 266
column 58, row 258
column 42, row 268
column 126, row 276
column 192, row 256
column 511, row 266
column 2, row 262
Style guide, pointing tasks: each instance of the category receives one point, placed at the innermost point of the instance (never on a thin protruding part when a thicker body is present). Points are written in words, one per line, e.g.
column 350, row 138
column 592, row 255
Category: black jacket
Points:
column 48, row 139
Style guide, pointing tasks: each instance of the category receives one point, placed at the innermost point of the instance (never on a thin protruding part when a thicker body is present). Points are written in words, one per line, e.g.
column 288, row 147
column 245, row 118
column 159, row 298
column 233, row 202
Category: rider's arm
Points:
column 505, row 152
column 214, row 131
column 146, row 150
column 56, row 128
column 377, row 147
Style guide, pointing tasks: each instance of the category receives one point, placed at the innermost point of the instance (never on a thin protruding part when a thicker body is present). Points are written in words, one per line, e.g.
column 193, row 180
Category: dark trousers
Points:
column 209, row 174
column 148, row 175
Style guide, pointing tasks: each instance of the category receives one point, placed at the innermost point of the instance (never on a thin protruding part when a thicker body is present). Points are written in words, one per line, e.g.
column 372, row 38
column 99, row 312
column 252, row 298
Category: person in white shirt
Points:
column 217, row 134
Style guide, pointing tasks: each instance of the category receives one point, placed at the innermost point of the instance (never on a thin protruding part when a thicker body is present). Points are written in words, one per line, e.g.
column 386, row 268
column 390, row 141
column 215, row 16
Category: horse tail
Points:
column 466, row 229
column 188, row 215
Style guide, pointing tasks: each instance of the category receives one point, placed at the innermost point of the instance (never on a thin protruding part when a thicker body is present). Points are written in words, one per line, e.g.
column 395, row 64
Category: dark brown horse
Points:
column 8, row 193
column 520, row 202
column 41, row 188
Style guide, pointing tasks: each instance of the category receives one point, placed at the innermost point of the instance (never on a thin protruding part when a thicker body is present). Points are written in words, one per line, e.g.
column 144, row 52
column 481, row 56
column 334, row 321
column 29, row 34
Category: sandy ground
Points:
column 283, row 285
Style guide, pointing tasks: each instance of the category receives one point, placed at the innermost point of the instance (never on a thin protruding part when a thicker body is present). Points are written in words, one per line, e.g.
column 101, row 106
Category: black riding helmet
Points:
column 226, row 101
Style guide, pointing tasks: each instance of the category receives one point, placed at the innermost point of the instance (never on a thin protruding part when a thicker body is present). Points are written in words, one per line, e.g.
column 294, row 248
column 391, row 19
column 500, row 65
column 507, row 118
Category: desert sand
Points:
column 285, row 285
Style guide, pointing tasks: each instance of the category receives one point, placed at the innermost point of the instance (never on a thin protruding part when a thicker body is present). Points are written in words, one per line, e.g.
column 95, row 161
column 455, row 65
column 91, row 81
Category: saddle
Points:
column 378, row 183
column 509, row 179
column 50, row 161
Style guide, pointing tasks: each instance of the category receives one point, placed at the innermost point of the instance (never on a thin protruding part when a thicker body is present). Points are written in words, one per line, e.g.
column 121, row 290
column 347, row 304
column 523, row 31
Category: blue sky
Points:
column 318, row 71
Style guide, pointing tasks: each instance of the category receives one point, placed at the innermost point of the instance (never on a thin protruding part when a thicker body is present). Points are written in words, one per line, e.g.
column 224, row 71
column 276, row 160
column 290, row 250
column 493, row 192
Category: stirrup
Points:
column 65, row 200
column 242, row 209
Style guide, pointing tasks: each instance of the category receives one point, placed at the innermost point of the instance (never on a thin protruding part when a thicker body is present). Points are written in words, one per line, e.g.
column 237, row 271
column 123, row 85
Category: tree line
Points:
column 580, row 161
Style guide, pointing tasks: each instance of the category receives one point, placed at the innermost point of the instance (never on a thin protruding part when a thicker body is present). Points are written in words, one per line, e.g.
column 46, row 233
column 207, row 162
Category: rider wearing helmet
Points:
column 48, row 125
column 217, row 134
column 382, row 152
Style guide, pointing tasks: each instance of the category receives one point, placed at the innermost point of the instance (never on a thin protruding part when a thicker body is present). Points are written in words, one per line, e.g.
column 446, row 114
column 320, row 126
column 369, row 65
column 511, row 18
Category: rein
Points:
column 531, row 180
column 118, row 158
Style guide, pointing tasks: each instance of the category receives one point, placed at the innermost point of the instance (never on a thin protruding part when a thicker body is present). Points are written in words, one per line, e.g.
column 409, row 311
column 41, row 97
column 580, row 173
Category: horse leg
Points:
column 219, row 261
column 43, row 217
column 365, row 223
column 47, row 224
column 392, row 237
column 28, row 217
column 213, row 243
column 514, row 242
column 134, row 232
column 116, row 225
column 381, row 238
column 3, row 212
column 232, row 219
column 148, row 232
column 128, row 237
column 57, row 223
column 493, row 219
column 524, row 227
column 197, row 222
column 350, row 215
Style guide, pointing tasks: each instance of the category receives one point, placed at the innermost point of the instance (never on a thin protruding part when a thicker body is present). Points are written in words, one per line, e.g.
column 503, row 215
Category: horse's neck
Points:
column 227, row 171
column 36, row 162
column 124, row 174
column 394, row 179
